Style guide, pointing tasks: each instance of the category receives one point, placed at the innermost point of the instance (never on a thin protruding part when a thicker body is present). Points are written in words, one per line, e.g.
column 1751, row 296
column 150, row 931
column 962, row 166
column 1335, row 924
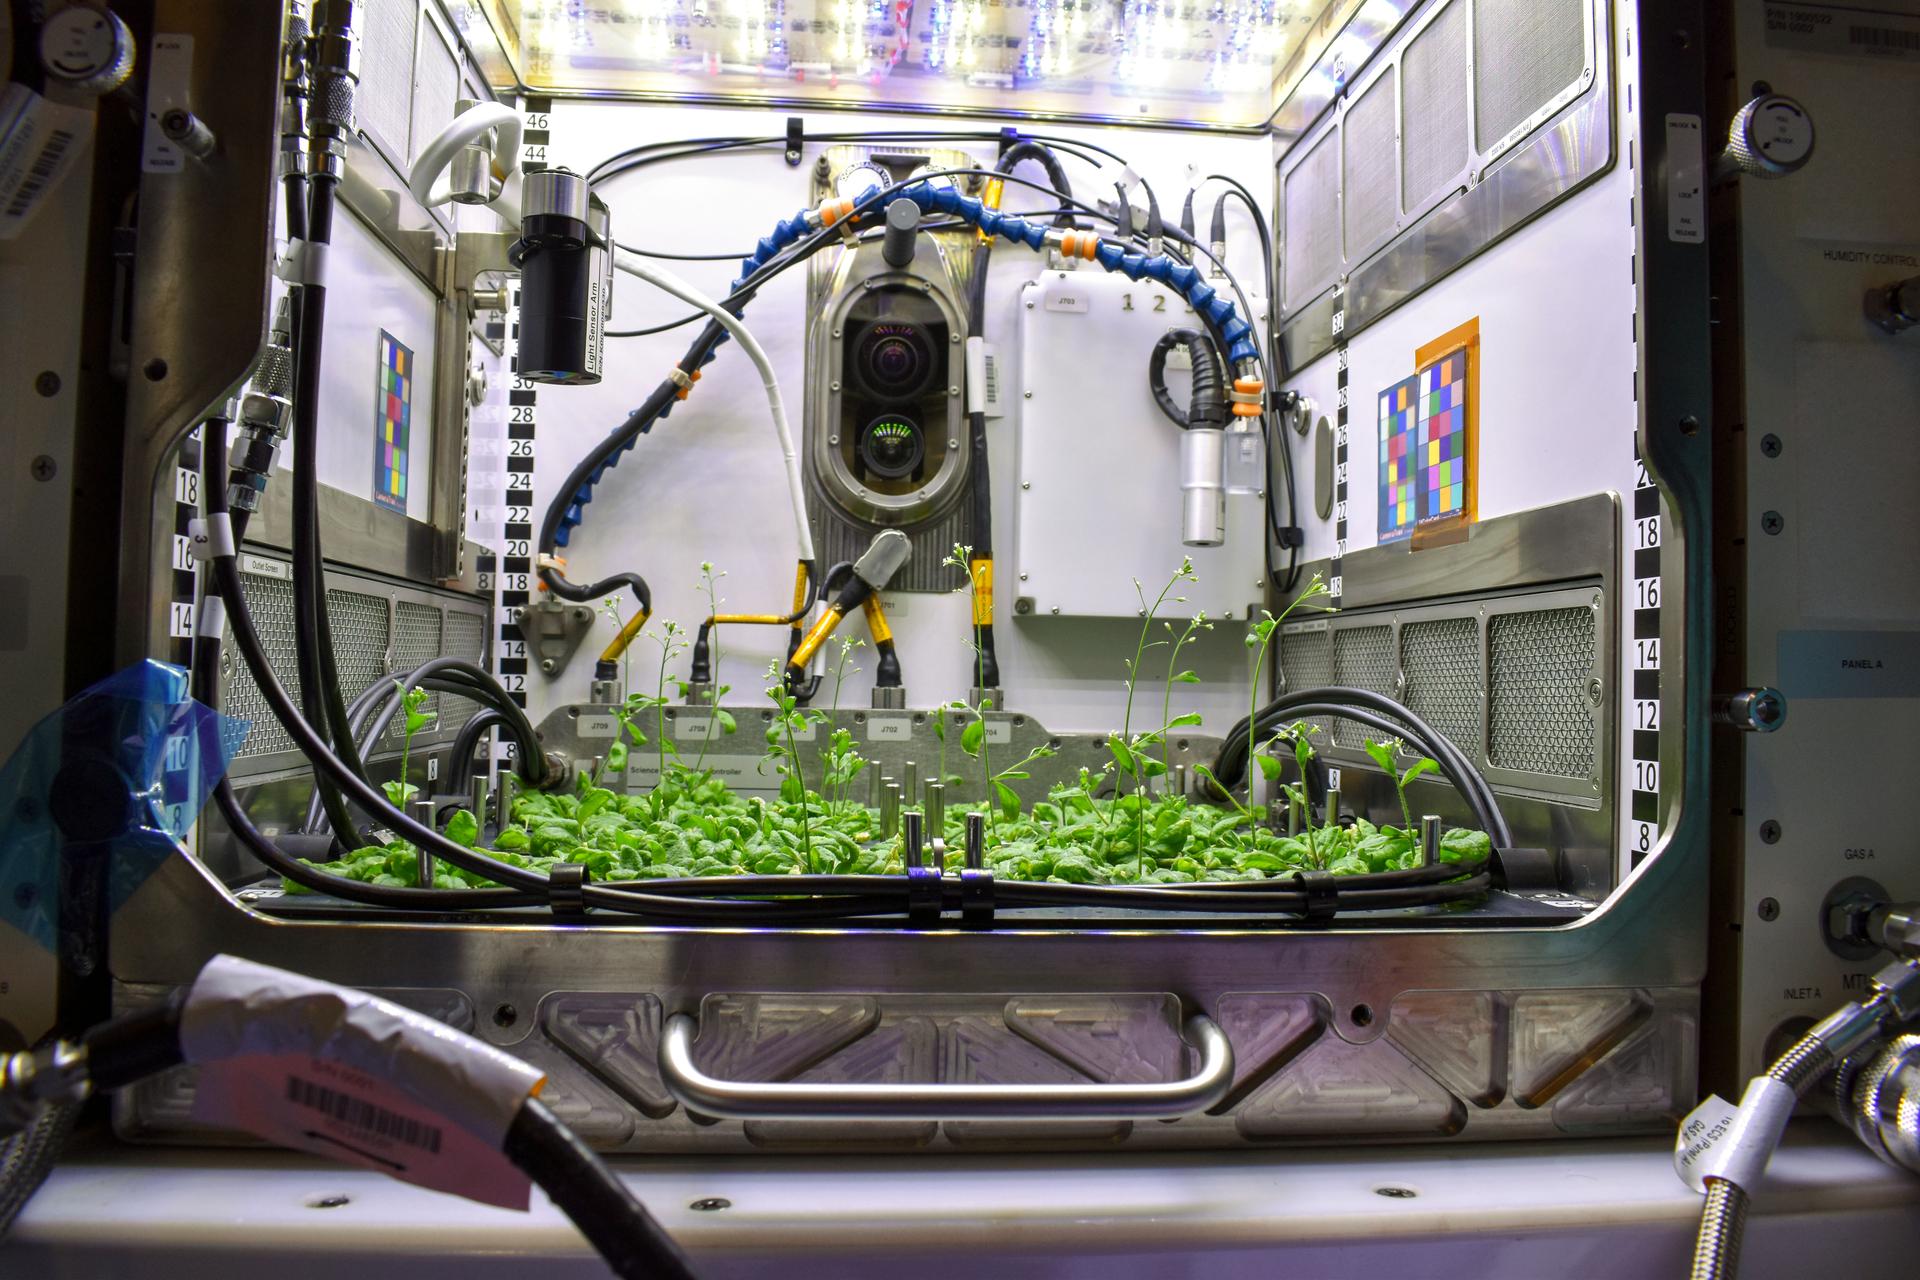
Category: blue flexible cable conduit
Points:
column 1234, row 333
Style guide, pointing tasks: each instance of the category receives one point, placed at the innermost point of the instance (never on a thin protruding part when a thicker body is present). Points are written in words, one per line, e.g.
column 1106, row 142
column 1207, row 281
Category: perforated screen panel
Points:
column 1541, row 715
column 1441, row 660
column 1433, row 110
column 1362, row 658
column 1310, row 218
column 359, row 624
column 466, row 637
column 1306, row 662
column 416, row 638
column 1524, row 53
column 270, row 601
column 1368, row 200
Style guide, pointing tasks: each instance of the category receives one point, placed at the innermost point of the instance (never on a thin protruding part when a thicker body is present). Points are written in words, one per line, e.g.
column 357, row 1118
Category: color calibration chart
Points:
column 1423, row 447
column 393, row 412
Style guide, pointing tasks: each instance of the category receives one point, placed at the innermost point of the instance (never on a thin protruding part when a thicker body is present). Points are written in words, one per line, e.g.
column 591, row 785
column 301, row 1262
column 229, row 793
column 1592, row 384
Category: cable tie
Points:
column 976, row 897
column 680, row 378
column 304, row 263
column 566, row 890
column 210, row 537
column 1322, row 891
column 213, row 618
column 545, row 562
column 923, row 895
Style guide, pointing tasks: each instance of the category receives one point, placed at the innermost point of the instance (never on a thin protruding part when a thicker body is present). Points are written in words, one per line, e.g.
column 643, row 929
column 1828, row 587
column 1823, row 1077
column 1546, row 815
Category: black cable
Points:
column 466, row 742
column 1209, row 394
column 1230, row 761
column 630, row 1239
column 661, row 152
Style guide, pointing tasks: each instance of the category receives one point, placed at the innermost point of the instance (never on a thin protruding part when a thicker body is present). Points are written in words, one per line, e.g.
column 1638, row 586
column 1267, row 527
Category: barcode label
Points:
column 358, row 1113
column 1887, row 37
column 39, row 173
column 38, row 141
column 1847, row 30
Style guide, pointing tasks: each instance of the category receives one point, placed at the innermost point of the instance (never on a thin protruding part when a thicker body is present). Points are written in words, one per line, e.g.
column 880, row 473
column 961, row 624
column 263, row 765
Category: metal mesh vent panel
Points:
column 270, row 602
column 416, row 638
column 1306, row 662
column 1433, row 107
column 1367, row 194
column 1539, row 716
column 1524, row 52
column 1441, row 660
column 1311, row 218
column 359, row 625
column 466, row 638
column 1363, row 658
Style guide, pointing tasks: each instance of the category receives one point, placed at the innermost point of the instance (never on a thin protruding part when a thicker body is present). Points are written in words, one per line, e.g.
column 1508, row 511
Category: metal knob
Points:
column 1429, row 839
column 976, row 850
column 913, row 839
column 88, row 48
column 1752, row 710
column 1895, row 307
column 1770, row 137
column 902, row 234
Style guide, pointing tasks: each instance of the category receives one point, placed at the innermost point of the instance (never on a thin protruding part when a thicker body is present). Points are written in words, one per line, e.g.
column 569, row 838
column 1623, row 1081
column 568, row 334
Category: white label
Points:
column 994, row 407
column 38, row 140
column 889, row 729
column 1333, row 778
column 595, row 726
column 1686, row 184
column 896, row 606
column 1065, row 300
column 262, row 567
column 169, row 78
column 1705, row 1127
column 741, row 772
column 998, row 732
column 1858, row 31
column 695, row 727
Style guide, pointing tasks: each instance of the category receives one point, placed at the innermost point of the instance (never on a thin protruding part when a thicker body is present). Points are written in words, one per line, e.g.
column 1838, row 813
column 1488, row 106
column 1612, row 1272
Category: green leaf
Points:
column 398, row 792
column 1269, row 767
column 1419, row 767
column 1383, row 754
column 1009, row 800
column 1181, row 722
column 463, row 828
column 617, row 758
column 1122, row 755
column 725, row 720
column 1187, row 677
column 972, row 736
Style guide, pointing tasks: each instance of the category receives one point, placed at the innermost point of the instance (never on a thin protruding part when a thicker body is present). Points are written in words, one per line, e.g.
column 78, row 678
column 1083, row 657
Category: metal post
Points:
column 936, row 810
column 976, row 855
column 1333, row 806
column 912, row 835
column 910, row 783
column 421, row 811
column 478, row 794
column 1429, row 839
column 889, row 807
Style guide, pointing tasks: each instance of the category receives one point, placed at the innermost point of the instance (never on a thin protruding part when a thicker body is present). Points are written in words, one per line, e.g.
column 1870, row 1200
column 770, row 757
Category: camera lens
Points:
column 894, row 360
column 890, row 447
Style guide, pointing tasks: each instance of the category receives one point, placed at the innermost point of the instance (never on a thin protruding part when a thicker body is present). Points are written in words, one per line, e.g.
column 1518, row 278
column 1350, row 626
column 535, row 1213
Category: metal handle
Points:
column 752, row 1100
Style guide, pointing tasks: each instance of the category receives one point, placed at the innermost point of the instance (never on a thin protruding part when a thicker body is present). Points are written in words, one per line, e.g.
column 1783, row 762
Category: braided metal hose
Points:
column 1723, row 1218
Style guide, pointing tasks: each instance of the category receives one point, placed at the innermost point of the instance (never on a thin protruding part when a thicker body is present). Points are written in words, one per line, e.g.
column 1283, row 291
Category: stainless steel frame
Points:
column 1448, row 1031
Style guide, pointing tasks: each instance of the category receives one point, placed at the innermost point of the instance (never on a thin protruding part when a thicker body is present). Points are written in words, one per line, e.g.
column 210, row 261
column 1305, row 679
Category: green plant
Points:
column 840, row 762
column 414, row 718
column 1387, row 755
column 610, row 608
column 973, row 738
column 938, row 719
column 710, row 585
column 1259, row 638
column 624, row 717
column 783, row 749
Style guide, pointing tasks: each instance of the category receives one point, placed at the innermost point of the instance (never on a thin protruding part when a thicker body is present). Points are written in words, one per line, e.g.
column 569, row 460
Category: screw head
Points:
column 1688, row 424
column 1770, row 445
column 1026, row 395
column 1029, row 306
column 42, row 468
column 711, row 1204
column 1772, row 522
column 546, row 665
column 833, row 386
column 1594, row 690
column 1770, row 832
column 1769, row 909
column 48, row 383
column 1026, row 484
column 155, row 370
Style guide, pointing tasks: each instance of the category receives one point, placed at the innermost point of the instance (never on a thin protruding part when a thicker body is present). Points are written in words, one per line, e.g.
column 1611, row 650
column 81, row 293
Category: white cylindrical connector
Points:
column 1203, row 499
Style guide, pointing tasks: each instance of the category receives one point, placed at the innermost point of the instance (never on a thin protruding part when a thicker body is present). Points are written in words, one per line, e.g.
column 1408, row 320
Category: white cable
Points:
column 635, row 265
column 466, row 127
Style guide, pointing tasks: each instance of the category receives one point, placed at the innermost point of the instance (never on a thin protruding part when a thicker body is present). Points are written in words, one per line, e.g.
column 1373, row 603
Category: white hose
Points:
column 635, row 265
column 466, row 127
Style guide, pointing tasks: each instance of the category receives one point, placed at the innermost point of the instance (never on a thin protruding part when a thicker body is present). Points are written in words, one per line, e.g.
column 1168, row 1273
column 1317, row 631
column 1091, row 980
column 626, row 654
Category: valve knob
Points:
column 1770, row 137
column 88, row 48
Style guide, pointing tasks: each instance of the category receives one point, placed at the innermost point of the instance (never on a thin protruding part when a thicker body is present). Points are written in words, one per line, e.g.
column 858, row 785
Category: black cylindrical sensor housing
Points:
column 903, row 232
column 556, row 312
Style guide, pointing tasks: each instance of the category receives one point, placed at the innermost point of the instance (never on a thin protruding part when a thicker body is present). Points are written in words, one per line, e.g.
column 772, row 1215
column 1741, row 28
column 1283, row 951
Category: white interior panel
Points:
column 705, row 485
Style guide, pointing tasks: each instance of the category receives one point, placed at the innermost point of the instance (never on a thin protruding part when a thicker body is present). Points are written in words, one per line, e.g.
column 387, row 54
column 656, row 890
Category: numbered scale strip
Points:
column 1643, row 826
column 1335, row 578
column 183, row 597
column 514, row 582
